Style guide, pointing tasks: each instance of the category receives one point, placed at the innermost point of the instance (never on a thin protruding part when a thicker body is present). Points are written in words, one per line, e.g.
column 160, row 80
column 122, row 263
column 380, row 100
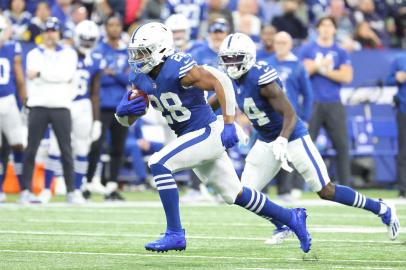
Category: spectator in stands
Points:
column 207, row 53
column 62, row 10
column 344, row 24
column 50, row 71
column 216, row 9
column 19, row 18
column 289, row 22
column 329, row 67
column 153, row 9
column 197, row 18
column 245, row 19
column 398, row 77
column 299, row 92
column 366, row 12
column 366, row 37
column 113, row 84
column 316, row 9
column 37, row 24
column 266, row 48
column 12, row 82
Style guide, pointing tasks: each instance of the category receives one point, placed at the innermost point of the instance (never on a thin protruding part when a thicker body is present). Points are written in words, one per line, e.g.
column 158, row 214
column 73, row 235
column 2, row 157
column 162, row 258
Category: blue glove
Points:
column 229, row 136
column 126, row 107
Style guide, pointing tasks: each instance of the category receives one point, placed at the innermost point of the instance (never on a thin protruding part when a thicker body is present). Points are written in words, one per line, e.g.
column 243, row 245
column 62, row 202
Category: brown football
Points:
column 136, row 93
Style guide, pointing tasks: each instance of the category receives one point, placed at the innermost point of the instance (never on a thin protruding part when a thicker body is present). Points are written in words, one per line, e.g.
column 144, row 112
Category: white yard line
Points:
column 203, row 237
column 239, row 258
column 316, row 228
column 136, row 204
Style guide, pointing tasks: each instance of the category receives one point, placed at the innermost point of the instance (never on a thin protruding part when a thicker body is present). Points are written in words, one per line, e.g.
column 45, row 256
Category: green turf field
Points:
column 100, row 236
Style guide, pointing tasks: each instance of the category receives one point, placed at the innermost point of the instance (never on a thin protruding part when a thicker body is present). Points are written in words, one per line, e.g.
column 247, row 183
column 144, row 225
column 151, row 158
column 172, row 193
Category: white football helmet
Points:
column 87, row 34
column 149, row 45
column 237, row 54
column 180, row 27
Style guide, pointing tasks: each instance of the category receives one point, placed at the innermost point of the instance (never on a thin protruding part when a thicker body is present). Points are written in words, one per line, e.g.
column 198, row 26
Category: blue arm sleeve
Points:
column 391, row 79
column 307, row 92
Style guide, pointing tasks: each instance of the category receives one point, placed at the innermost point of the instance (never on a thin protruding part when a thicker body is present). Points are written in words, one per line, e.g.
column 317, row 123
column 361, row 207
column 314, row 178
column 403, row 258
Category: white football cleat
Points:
column 75, row 197
column 45, row 196
column 279, row 235
column 25, row 197
column 390, row 219
column 3, row 197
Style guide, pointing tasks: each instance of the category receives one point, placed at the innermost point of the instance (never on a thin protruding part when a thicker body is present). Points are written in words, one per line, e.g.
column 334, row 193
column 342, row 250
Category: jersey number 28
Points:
column 172, row 103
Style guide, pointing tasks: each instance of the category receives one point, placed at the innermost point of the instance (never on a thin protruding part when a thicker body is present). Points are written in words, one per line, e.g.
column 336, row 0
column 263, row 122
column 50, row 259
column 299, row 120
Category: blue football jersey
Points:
column 194, row 10
column 8, row 52
column 87, row 68
column 185, row 109
column 262, row 115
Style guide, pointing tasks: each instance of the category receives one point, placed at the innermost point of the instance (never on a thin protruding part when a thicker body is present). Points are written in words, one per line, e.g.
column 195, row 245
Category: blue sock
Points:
column 18, row 166
column 49, row 175
column 169, row 194
column 348, row 196
column 80, row 168
column 1, row 176
column 258, row 203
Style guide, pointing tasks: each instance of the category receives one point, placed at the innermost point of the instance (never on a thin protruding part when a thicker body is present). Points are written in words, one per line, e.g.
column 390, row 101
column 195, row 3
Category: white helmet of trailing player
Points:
column 86, row 36
column 180, row 27
column 237, row 54
column 149, row 45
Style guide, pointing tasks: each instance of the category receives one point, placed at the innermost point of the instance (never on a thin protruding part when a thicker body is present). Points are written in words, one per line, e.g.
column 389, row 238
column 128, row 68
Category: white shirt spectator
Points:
column 54, row 87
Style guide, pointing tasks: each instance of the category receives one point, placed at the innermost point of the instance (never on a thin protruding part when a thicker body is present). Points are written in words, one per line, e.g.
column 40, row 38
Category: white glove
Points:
column 242, row 136
column 96, row 130
column 280, row 151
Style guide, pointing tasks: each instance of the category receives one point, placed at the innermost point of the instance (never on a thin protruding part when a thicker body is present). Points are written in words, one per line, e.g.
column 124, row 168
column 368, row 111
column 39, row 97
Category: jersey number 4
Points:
column 171, row 103
column 253, row 113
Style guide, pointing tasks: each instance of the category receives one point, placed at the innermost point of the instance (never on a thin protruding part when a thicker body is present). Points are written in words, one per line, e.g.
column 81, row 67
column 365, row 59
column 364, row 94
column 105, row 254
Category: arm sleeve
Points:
column 344, row 58
column 267, row 75
column 64, row 71
column 391, row 79
column 186, row 63
column 121, row 78
column 307, row 92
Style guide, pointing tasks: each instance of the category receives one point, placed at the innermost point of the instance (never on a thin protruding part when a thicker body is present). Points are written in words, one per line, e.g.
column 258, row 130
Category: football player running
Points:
column 11, row 81
column 282, row 136
column 175, row 86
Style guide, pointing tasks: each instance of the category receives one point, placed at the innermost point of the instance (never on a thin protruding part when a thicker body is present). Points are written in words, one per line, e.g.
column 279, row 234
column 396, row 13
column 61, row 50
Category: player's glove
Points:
column 136, row 106
column 280, row 151
column 96, row 130
column 229, row 136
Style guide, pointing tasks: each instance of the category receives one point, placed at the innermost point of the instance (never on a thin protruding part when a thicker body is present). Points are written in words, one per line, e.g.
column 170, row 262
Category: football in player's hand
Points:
column 136, row 93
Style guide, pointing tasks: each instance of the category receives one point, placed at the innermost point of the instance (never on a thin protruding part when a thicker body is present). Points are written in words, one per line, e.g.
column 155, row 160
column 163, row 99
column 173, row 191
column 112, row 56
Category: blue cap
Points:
column 219, row 25
column 52, row 23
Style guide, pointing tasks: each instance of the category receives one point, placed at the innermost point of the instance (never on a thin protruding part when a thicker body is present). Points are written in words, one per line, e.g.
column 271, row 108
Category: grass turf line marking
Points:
column 188, row 256
column 315, row 228
column 189, row 237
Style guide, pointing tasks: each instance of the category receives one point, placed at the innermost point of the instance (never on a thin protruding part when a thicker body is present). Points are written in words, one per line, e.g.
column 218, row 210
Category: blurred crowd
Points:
column 199, row 27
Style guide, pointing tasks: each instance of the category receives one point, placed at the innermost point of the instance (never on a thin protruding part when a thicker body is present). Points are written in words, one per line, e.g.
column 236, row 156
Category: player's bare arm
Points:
column 278, row 100
column 94, row 96
column 19, row 74
column 213, row 102
column 207, row 79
